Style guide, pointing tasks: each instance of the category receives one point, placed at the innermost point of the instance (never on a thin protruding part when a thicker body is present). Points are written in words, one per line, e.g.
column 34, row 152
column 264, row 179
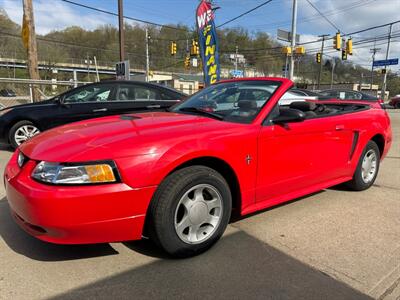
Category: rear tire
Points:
column 189, row 211
column 367, row 168
column 397, row 105
column 21, row 132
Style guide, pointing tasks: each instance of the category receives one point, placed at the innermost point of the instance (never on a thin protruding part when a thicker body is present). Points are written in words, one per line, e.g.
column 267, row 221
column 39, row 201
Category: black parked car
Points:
column 21, row 122
column 7, row 93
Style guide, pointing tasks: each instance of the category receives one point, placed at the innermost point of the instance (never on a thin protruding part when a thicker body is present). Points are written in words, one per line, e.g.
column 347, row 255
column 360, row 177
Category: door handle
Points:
column 99, row 110
column 339, row 127
column 153, row 106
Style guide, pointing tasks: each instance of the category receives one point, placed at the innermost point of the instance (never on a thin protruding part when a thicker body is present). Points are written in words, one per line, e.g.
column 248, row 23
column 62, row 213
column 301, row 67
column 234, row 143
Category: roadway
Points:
column 334, row 244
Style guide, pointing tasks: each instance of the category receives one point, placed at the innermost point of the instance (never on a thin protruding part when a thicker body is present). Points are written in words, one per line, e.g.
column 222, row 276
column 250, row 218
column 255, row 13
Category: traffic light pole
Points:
column 322, row 57
column 387, row 56
column 373, row 51
column 293, row 39
column 121, row 31
column 147, row 56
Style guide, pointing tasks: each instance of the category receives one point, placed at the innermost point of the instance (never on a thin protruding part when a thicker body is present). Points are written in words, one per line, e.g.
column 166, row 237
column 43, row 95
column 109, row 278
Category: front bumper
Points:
column 75, row 214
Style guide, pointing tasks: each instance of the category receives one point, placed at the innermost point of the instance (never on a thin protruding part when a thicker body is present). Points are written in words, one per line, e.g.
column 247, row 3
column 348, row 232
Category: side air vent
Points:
column 129, row 117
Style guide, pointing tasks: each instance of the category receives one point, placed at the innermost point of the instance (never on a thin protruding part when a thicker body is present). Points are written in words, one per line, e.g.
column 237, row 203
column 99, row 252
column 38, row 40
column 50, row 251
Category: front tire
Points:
column 21, row 132
column 367, row 168
column 189, row 211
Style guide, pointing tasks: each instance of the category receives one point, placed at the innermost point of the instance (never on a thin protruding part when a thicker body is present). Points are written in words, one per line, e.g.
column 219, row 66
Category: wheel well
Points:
column 380, row 141
column 225, row 170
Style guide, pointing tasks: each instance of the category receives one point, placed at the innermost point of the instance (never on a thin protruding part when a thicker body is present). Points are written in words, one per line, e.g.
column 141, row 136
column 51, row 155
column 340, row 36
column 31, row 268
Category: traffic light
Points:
column 173, row 48
column 318, row 58
column 349, row 47
column 300, row 50
column 383, row 71
column 344, row 55
column 195, row 49
column 187, row 61
column 337, row 42
column 287, row 50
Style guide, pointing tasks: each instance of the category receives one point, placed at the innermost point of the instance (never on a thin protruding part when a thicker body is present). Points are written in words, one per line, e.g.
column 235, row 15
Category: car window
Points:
column 168, row 96
column 132, row 92
column 91, row 93
column 145, row 93
column 233, row 101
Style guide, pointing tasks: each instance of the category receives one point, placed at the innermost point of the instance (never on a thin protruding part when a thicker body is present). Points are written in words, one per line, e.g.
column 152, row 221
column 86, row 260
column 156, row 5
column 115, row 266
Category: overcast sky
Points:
column 347, row 15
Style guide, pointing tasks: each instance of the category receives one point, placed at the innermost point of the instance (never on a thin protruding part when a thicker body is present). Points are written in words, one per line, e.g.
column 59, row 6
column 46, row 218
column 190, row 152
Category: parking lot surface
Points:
column 334, row 244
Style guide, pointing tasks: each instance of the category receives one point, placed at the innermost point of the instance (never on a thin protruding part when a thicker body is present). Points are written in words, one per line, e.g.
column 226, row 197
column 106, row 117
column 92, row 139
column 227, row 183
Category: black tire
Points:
column 161, row 214
column 13, row 130
column 358, row 183
column 397, row 105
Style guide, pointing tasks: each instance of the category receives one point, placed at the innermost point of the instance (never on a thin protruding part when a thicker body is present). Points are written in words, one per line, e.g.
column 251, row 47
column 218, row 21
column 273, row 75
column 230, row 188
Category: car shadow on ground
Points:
column 26, row 245
column 239, row 266
column 4, row 147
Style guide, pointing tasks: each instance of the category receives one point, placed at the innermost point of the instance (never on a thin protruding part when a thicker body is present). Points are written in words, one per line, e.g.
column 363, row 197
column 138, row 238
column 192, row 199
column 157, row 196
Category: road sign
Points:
column 237, row 73
column 286, row 36
column 122, row 70
column 387, row 62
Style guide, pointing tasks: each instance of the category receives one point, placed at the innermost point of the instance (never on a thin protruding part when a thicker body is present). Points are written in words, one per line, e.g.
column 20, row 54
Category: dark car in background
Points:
column 349, row 95
column 7, row 93
column 20, row 123
column 395, row 101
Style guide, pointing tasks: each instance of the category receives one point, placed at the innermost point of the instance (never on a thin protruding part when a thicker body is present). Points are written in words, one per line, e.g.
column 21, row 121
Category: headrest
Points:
column 303, row 105
column 247, row 104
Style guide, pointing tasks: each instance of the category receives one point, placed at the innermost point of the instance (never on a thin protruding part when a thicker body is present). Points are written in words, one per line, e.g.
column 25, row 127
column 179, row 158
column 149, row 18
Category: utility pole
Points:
column 147, row 55
column 29, row 41
column 322, row 58
column 333, row 71
column 236, row 58
column 121, row 31
column 373, row 51
column 387, row 56
column 293, row 39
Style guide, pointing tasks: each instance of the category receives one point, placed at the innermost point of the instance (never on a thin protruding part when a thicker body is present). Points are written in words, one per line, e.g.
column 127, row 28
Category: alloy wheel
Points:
column 369, row 166
column 198, row 214
column 24, row 133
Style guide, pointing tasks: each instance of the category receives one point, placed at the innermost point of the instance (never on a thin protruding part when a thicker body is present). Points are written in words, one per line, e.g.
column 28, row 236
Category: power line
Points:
column 329, row 21
column 126, row 17
column 245, row 13
column 355, row 32
column 339, row 10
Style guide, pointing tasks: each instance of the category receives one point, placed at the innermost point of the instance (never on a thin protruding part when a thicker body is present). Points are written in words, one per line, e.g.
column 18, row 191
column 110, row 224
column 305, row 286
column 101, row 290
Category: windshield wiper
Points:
column 202, row 112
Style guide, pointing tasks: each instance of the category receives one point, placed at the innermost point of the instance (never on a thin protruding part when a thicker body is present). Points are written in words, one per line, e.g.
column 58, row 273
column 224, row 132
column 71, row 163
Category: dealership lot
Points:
column 334, row 244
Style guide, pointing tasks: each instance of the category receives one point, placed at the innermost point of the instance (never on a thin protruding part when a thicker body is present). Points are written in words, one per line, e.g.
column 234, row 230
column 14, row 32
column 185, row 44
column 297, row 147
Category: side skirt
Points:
column 291, row 196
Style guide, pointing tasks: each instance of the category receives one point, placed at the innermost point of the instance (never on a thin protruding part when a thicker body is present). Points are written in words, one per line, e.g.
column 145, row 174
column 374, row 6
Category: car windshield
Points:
column 239, row 101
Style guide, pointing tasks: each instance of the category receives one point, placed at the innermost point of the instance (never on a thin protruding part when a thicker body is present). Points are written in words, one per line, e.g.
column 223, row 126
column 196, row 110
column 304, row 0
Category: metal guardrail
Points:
column 41, row 82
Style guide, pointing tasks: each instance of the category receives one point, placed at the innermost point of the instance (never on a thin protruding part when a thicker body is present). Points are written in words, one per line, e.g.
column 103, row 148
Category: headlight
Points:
column 4, row 111
column 80, row 173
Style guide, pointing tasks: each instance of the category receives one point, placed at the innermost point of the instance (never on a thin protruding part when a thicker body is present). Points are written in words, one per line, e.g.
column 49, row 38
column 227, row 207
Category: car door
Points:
column 84, row 103
column 134, row 97
column 296, row 156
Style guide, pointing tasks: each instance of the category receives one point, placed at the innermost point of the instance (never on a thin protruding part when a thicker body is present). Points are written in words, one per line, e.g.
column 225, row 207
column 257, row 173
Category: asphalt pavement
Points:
column 334, row 244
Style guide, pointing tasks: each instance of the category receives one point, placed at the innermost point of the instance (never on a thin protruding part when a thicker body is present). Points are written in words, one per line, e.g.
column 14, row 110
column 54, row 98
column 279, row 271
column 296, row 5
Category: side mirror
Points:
column 289, row 115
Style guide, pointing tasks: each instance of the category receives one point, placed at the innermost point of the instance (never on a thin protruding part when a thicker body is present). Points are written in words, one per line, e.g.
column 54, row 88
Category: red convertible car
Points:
column 177, row 176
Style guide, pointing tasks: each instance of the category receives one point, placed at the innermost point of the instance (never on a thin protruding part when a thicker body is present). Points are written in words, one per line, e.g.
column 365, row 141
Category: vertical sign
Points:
column 208, row 42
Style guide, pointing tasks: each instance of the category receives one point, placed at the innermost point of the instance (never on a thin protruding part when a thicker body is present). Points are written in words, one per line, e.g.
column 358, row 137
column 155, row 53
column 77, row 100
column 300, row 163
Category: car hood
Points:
column 117, row 136
column 30, row 105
